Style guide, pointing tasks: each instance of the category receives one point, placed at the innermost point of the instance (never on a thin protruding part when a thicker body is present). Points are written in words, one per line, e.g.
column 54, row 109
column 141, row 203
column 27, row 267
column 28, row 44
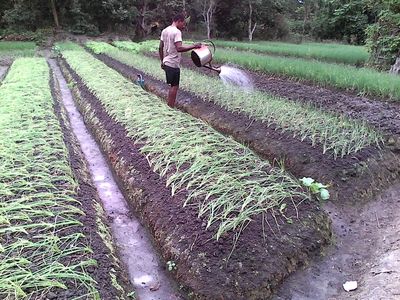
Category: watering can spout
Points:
column 203, row 56
column 216, row 69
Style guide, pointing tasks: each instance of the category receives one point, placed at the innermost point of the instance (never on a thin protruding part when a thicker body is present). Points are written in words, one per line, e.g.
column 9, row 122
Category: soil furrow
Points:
column 108, row 265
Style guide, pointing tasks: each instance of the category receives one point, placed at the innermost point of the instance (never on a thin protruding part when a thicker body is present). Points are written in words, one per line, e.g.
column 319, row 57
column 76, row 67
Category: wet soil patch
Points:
column 353, row 179
column 259, row 262
column 379, row 113
column 107, row 261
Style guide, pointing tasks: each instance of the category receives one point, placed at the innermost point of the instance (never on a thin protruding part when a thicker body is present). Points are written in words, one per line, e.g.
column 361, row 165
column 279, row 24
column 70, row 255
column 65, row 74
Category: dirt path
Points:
column 144, row 268
column 366, row 250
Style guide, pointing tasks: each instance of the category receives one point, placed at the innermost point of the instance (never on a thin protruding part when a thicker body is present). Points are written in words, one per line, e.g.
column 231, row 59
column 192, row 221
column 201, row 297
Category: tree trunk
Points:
column 251, row 28
column 55, row 15
column 305, row 19
column 141, row 21
column 208, row 13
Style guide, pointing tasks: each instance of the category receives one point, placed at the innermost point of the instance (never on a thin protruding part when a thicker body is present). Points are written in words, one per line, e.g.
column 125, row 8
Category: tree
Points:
column 383, row 37
column 208, row 10
column 250, row 27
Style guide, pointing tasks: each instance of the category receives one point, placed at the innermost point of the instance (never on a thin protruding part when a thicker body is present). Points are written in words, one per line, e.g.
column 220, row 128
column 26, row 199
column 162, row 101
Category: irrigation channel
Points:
column 366, row 234
column 136, row 250
column 3, row 71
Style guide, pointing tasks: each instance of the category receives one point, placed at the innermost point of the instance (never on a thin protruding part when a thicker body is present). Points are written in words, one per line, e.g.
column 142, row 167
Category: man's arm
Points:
column 161, row 52
column 182, row 48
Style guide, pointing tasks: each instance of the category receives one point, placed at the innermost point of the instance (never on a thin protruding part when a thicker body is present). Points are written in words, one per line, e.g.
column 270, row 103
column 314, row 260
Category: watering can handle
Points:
column 211, row 42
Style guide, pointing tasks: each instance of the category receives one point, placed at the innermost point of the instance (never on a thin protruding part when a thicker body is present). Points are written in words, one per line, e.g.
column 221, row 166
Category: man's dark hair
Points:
column 179, row 17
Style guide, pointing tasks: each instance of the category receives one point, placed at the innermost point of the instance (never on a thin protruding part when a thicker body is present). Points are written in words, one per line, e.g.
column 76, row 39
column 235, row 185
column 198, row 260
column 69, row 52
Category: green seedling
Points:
column 224, row 180
column 171, row 265
column 335, row 134
column 37, row 192
column 316, row 188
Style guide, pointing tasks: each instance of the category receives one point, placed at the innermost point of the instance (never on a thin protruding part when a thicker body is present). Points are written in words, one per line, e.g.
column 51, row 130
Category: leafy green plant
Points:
column 171, row 266
column 316, row 188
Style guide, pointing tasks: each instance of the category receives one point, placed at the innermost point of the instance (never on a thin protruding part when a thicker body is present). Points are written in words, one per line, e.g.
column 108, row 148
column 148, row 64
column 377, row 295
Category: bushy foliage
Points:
column 384, row 36
column 342, row 20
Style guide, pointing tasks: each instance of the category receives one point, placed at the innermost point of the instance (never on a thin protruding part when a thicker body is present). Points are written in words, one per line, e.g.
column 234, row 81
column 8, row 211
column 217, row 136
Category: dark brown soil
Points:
column 107, row 263
column 257, row 265
column 379, row 113
column 353, row 179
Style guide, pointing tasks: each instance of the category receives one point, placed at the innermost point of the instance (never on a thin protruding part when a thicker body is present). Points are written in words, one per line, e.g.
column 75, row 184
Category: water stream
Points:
column 143, row 265
column 234, row 76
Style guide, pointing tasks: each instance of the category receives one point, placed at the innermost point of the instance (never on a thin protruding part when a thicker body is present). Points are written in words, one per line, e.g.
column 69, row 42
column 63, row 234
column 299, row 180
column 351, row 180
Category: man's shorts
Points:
column 173, row 75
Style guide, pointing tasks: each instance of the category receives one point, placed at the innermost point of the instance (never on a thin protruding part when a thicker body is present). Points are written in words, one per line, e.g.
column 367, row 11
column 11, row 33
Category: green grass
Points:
column 225, row 181
column 17, row 49
column 145, row 46
column 41, row 244
column 348, row 54
column 363, row 80
column 336, row 134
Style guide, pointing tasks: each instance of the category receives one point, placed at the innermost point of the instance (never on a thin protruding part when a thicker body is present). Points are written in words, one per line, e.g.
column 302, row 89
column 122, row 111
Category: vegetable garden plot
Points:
column 16, row 49
column 336, row 134
column 362, row 80
column 44, row 251
column 218, row 180
column 360, row 175
column 348, row 54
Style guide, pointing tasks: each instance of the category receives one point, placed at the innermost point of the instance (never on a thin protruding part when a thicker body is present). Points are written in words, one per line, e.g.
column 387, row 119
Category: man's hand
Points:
column 162, row 66
column 197, row 45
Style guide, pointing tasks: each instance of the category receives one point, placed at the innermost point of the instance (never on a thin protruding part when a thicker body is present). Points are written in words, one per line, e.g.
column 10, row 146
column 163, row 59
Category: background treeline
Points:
column 375, row 22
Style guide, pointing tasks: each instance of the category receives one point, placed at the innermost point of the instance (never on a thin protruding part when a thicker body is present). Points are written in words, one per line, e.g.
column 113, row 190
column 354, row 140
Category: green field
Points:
column 330, row 52
column 361, row 80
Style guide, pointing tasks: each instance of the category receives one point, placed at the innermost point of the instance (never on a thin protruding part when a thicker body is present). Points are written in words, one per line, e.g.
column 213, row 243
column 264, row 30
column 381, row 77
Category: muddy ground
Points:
column 258, row 264
column 107, row 261
column 366, row 234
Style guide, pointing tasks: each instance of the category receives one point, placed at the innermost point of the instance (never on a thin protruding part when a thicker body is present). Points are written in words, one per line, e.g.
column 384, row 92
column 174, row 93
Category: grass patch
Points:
column 17, row 49
column 338, row 53
column 336, row 134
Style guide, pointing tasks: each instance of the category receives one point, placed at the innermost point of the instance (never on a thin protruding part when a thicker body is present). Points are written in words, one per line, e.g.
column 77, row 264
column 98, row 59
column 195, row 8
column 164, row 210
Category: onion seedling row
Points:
column 17, row 49
column 41, row 244
column 225, row 181
column 363, row 80
column 334, row 133
column 348, row 54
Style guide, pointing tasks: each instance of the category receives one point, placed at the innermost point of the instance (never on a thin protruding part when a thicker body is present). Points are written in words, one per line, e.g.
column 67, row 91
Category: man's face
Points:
column 181, row 25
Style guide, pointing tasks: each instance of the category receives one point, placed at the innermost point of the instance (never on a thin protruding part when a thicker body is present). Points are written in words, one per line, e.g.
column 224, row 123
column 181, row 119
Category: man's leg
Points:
column 173, row 91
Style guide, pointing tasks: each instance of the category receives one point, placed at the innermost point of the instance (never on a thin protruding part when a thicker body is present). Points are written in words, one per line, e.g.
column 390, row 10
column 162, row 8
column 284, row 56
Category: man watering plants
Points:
column 170, row 55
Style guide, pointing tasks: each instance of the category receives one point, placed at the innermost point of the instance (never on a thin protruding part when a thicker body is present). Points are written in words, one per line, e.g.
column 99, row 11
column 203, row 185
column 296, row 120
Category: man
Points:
column 170, row 55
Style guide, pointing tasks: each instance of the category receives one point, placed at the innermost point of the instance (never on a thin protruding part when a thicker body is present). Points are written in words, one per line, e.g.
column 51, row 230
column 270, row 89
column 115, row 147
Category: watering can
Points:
column 140, row 81
column 203, row 56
